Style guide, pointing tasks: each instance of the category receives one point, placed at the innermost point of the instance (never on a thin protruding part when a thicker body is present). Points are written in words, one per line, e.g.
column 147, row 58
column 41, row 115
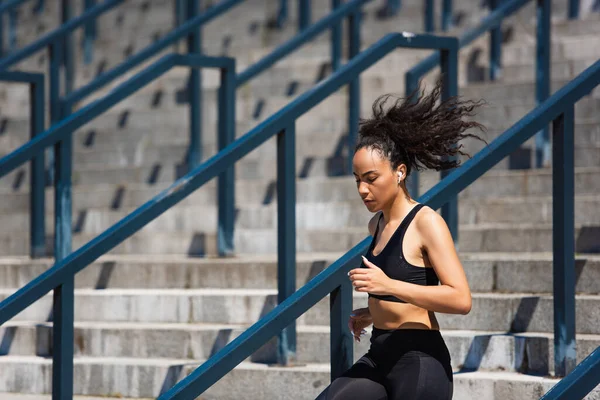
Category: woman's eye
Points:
column 371, row 180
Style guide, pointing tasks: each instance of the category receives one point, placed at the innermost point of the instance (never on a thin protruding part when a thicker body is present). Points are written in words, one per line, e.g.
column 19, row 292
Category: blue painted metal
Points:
column 304, row 14
column 542, row 77
column 170, row 38
column 308, row 295
column 495, row 46
column 414, row 74
column 449, row 67
column 353, row 89
column 336, row 39
column 89, row 34
column 69, row 60
column 297, row 41
column 226, row 181
column 393, row 6
column 58, row 34
column 37, row 198
column 194, row 89
column 563, row 241
column 340, row 307
column 411, row 85
column 329, row 279
column 12, row 29
column 578, row 383
column 1, row 33
column 574, row 9
column 56, row 276
column 429, row 16
column 282, row 14
column 446, row 15
column 8, row 5
column 286, row 233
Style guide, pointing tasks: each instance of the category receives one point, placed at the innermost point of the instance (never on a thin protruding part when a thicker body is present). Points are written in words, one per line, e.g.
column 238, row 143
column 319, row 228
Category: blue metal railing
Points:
column 226, row 187
column 492, row 24
column 559, row 108
column 61, row 275
column 37, row 170
column 578, row 383
column 390, row 8
column 56, row 42
column 60, row 133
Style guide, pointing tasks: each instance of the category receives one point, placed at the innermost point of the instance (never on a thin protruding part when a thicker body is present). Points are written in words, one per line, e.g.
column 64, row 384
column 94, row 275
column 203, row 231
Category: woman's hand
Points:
column 358, row 321
column 371, row 279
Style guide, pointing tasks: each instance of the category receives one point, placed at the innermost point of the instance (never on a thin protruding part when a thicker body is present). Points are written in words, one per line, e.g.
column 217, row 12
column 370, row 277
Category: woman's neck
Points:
column 399, row 208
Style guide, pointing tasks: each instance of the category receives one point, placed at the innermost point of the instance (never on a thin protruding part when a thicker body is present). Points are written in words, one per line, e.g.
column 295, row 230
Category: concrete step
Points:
column 486, row 272
column 516, row 183
column 203, row 240
column 338, row 215
column 514, row 312
column 154, row 376
column 469, row 350
column 20, row 396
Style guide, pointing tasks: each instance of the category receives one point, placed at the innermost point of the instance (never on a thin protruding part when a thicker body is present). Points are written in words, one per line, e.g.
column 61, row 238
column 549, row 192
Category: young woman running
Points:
column 411, row 269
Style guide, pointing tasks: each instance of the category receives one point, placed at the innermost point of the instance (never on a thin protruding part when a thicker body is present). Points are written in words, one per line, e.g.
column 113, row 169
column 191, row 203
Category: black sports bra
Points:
column 391, row 259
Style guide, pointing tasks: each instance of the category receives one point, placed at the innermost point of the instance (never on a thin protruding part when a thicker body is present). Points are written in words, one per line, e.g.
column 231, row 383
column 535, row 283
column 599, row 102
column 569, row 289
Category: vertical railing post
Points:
column 573, row 9
column 428, row 14
column 563, row 238
column 286, row 233
column 37, row 197
column 394, row 6
column 340, row 307
column 12, row 29
column 304, row 14
column 449, row 67
column 446, row 15
column 226, row 180
column 542, row 77
column 89, row 35
column 411, row 84
column 354, row 21
column 64, row 295
column 69, row 59
column 282, row 14
column 1, row 33
column 194, row 90
column 495, row 46
column 336, row 39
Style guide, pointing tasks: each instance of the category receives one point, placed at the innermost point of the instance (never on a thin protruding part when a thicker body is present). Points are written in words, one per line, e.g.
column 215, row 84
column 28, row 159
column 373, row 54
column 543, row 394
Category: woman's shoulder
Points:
column 429, row 221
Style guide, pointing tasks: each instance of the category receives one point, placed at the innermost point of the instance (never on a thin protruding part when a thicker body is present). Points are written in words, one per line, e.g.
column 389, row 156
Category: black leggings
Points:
column 400, row 364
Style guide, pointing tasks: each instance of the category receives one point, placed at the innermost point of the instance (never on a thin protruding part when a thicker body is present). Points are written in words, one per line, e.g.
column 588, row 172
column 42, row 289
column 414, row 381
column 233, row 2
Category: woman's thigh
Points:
column 419, row 377
column 359, row 382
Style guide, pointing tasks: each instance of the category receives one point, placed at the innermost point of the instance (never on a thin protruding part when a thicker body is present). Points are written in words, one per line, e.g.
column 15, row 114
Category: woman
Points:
column 411, row 269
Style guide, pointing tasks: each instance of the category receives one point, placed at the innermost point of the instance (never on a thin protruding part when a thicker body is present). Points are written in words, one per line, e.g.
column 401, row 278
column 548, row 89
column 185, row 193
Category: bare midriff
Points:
column 392, row 315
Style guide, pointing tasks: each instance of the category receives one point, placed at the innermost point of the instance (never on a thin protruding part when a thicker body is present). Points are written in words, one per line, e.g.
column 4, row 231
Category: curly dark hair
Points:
column 419, row 130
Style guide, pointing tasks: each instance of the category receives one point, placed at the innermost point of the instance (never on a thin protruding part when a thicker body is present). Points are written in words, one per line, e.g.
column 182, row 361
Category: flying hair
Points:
column 421, row 130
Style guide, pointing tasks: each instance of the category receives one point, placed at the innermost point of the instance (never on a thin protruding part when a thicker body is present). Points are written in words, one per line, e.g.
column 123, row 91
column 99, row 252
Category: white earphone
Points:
column 399, row 176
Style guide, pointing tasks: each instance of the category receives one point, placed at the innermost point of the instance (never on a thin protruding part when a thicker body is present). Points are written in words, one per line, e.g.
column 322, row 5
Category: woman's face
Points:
column 376, row 182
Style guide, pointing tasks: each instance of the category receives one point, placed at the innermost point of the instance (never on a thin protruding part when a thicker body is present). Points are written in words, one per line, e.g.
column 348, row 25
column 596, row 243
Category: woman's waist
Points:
column 392, row 315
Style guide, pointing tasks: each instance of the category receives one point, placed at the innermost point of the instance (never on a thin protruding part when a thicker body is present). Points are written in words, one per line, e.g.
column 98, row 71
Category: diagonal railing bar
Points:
column 298, row 303
column 58, row 34
column 578, row 383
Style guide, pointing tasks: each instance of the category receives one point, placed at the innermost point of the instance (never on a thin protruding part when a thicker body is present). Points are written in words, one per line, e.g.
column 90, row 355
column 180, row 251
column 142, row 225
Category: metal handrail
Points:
column 58, row 34
column 491, row 23
column 61, row 133
column 62, row 273
column 333, row 280
column 578, row 383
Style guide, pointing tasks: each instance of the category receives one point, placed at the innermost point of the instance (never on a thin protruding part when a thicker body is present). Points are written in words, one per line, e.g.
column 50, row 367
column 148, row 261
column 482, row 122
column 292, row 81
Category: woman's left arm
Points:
column 452, row 296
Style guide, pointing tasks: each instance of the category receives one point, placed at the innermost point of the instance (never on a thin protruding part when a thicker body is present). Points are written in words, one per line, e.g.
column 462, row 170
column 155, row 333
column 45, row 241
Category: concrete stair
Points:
column 159, row 305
